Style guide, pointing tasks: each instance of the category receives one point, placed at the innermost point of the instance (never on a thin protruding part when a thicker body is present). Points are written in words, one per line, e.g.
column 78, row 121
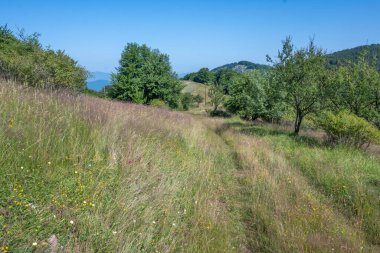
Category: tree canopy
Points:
column 355, row 86
column 145, row 74
column 23, row 59
column 301, row 76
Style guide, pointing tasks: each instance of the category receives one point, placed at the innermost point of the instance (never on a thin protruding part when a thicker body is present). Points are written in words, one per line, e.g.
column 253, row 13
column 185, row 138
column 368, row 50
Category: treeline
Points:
column 24, row 60
column 344, row 101
column 353, row 54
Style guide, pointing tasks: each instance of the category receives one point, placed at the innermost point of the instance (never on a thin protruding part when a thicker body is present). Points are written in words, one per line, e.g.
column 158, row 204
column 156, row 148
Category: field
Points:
column 198, row 89
column 105, row 176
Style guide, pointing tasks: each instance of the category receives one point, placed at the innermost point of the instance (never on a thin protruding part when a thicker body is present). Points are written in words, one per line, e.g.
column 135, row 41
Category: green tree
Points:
column 145, row 74
column 187, row 100
column 247, row 95
column 24, row 60
column 301, row 75
column 204, row 75
column 198, row 99
column 216, row 95
column 225, row 77
column 355, row 86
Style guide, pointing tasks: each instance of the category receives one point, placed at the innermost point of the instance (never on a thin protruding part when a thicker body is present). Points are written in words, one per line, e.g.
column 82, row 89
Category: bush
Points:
column 158, row 103
column 348, row 129
column 23, row 59
column 198, row 99
column 219, row 113
column 187, row 101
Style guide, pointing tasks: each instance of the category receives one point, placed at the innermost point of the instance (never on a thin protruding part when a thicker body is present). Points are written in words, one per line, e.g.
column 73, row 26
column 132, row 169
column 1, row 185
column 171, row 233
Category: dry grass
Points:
column 130, row 178
column 288, row 210
column 198, row 89
column 105, row 176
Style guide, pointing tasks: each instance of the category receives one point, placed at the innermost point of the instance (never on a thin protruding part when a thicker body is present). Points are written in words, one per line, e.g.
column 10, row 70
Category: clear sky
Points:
column 194, row 33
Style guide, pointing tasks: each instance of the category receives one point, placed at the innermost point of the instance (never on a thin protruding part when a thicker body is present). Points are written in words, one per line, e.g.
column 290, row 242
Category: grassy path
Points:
column 282, row 211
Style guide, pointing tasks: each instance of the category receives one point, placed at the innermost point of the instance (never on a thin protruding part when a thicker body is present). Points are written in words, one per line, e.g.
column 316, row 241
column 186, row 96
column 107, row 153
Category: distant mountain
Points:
column 352, row 54
column 98, row 80
column 243, row 66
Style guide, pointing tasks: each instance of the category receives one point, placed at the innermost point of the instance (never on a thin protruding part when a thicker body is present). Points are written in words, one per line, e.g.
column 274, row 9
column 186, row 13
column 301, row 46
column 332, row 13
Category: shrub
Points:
column 219, row 113
column 348, row 129
column 187, row 101
column 23, row 59
column 158, row 103
column 198, row 99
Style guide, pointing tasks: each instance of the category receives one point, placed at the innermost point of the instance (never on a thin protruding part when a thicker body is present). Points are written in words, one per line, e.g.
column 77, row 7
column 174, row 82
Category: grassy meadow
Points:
column 111, row 177
column 106, row 176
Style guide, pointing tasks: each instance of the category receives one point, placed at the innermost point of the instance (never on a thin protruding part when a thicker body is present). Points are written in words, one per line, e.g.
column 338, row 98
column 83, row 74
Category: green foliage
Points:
column 187, row 101
column 145, row 74
column 198, row 99
column 242, row 67
column 24, row 60
column 354, row 54
column 348, row 129
column 356, row 87
column 301, row 76
column 225, row 78
column 158, row 103
column 247, row 95
column 204, row 75
column 216, row 95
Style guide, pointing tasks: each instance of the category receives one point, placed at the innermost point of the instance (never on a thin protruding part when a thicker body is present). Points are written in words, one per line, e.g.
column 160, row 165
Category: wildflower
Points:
column 76, row 172
column 71, row 222
column 84, row 202
column 114, row 232
column 174, row 224
column 35, row 244
column 32, row 206
column 22, row 167
column 196, row 202
column 10, row 123
column 154, row 222
column 49, row 163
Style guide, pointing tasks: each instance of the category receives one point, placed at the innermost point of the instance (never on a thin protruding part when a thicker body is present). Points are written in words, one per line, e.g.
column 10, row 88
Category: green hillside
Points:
column 352, row 54
column 243, row 66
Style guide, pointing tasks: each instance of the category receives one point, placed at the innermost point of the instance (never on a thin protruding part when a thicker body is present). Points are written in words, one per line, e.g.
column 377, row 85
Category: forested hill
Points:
column 352, row 54
column 242, row 66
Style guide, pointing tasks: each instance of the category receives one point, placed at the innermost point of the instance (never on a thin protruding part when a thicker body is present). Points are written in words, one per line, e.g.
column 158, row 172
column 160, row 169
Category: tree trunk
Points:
column 297, row 124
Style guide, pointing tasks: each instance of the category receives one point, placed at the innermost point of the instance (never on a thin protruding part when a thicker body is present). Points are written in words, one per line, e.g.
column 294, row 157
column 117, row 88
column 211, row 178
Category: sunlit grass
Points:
column 312, row 197
column 105, row 176
column 110, row 177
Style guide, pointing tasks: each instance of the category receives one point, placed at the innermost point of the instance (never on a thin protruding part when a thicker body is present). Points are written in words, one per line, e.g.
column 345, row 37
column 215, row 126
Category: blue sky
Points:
column 194, row 33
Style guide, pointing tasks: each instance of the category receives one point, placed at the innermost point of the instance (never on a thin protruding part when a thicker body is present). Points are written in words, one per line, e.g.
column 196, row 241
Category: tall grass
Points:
column 305, row 196
column 104, row 176
column 111, row 177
